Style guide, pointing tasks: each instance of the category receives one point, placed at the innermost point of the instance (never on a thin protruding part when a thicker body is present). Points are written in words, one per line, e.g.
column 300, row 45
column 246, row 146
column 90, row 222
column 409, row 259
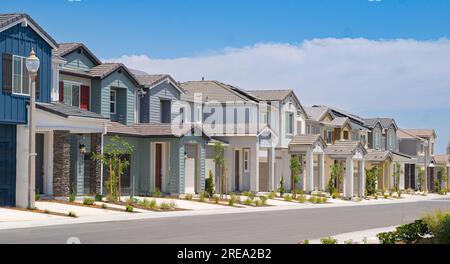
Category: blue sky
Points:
column 334, row 52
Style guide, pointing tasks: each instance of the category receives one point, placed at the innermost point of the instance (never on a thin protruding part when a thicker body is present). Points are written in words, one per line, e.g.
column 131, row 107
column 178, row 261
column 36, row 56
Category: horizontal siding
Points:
column 164, row 91
column 18, row 41
column 78, row 61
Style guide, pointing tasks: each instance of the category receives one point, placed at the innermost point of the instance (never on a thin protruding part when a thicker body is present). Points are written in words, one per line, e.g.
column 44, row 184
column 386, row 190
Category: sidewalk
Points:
column 17, row 219
column 359, row 237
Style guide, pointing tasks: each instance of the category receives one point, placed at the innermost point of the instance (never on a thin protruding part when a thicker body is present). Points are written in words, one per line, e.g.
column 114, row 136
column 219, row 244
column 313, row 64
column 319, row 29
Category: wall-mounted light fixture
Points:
column 82, row 148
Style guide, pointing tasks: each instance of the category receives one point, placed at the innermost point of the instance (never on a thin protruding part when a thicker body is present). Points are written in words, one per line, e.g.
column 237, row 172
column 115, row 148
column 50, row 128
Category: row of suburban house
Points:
column 173, row 127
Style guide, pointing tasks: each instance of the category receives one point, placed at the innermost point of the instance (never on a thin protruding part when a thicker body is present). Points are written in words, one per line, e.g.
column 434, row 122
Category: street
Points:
column 287, row 226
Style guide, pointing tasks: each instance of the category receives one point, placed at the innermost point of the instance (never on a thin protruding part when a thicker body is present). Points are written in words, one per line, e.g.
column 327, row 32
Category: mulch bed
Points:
column 38, row 211
column 90, row 206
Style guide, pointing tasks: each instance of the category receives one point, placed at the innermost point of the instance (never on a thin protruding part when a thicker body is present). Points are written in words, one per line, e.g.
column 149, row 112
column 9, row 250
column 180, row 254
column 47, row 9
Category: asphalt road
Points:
column 287, row 226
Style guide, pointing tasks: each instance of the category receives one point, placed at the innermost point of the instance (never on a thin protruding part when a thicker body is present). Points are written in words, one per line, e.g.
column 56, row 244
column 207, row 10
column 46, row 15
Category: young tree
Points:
column 220, row 163
column 397, row 173
column 114, row 157
column 371, row 180
column 296, row 170
column 336, row 178
column 421, row 179
column 209, row 185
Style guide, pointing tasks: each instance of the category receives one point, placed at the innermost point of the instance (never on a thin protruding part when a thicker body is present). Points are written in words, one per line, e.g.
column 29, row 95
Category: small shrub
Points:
column 88, row 201
column 156, row 193
column 203, row 197
column 387, row 237
column 248, row 201
column 258, row 202
column 165, row 206
column 72, row 197
column 301, row 198
column 72, row 214
column 281, row 188
column 306, row 242
column 335, row 195
column 233, row 199
column 173, row 204
column 216, row 199
column 313, row 199
column 328, row 240
column 263, row 199
column 209, row 185
column 324, row 200
column 37, row 196
column 350, row 241
column 188, row 196
column 272, row 195
column 443, row 232
column 386, row 196
column 98, row 197
column 129, row 208
column 287, row 197
column 104, row 206
column 149, row 204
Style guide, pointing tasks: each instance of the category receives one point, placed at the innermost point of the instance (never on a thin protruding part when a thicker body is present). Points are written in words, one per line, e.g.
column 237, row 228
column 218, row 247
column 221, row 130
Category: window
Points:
column 71, row 94
column 113, row 102
column 20, row 76
column 308, row 129
column 329, row 136
column 363, row 140
column 290, row 123
column 246, row 157
column 199, row 115
column 182, row 116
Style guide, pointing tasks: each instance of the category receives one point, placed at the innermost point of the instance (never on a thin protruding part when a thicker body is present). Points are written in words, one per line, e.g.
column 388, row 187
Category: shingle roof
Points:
column 272, row 95
column 316, row 112
column 427, row 132
column 385, row 122
column 217, row 91
column 150, row 79
column 150, row 129
column 339, row 121
column 377, row 155
column 7, row 19
column 306, row 140
column 67, row 111
column 104, row 70
column 66, row 48
column 403, row 134
column 344, row 147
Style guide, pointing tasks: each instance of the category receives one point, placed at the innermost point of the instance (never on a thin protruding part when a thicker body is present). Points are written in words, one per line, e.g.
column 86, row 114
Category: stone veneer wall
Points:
column 95, row 179
column 61, row 163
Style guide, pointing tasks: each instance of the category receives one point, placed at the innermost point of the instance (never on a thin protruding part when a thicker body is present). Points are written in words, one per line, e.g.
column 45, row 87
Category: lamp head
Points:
column 32, row 62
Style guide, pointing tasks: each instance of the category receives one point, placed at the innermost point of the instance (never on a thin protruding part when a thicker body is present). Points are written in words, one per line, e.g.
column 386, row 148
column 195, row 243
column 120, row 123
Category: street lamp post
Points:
column 32, row 64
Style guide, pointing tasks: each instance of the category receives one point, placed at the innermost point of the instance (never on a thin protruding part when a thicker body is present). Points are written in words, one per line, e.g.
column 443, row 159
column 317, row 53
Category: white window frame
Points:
column 329, row 136
column 199, row 115
column 113, row 102
column 22, row 61
column 290, row 120
column 71, row 83
column 246, row 160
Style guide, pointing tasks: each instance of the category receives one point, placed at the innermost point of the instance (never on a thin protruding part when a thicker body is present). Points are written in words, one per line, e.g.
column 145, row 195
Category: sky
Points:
column 376, row 58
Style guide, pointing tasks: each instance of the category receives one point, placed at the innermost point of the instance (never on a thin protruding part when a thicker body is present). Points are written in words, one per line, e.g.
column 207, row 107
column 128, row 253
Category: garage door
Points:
column 7, row 165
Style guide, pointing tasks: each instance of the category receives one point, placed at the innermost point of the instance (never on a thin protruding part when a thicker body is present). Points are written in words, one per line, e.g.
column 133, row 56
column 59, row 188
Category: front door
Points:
column 237, row 175
column 39, row 163
column 158, row 166
column 8, row 165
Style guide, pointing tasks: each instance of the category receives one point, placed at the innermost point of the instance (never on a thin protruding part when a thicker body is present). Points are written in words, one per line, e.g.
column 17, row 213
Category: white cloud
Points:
column 354, row 74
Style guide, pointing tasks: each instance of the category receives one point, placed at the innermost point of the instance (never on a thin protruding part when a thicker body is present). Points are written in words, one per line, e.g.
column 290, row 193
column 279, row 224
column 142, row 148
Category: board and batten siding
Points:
column 151, row 103
column 19, row 40
column 100, row 99
column 78, row 61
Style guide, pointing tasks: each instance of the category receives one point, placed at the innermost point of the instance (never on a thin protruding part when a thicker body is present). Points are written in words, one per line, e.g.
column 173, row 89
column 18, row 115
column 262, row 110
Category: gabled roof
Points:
column 217, row 91
column 104, row 70
column 316, row 113
column 427, row 132
column 66, row 48
column 442, row 160
column 151, row 80
column 385, row 122
column 345, row 147
column 403, row 134
column 9, row 20
column 277, row 95
column 67, row 111
column 378, row 155
column 306, row 140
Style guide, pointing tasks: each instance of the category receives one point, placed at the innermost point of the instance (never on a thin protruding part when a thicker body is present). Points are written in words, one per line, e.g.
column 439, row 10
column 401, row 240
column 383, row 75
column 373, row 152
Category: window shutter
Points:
column 7, row 73
column 84, row 97
column 61, row 91
column 38, row 83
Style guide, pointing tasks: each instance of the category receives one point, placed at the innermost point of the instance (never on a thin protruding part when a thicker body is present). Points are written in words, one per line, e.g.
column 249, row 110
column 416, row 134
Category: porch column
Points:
column 309, row 171
column 348, row 188
column 61, row 163
column 321, row 172
column 362, row 178
column 271, row 161
column 95, row 179
column 254, row 167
